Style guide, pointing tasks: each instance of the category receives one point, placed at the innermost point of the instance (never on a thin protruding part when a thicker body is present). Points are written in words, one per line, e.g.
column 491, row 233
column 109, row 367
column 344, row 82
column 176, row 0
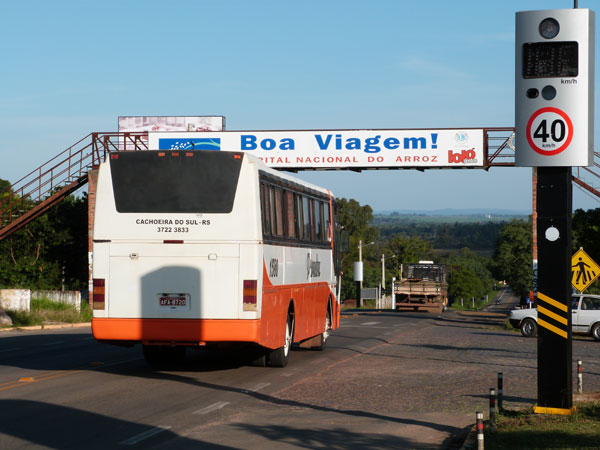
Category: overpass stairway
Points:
column 45, row 186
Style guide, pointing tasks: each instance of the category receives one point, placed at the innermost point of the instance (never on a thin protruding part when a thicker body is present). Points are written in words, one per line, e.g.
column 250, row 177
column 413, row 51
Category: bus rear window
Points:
column 175, row 182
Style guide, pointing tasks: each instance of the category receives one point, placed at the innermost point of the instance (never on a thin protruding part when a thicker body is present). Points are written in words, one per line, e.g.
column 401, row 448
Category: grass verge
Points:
column 467, row 305
column 526, row 430
column 45, row 311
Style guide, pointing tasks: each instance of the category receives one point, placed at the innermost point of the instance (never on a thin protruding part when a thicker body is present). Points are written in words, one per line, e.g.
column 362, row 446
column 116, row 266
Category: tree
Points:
column 409, row 249
column 402, row 249
column 513, row 255
column 469, row 275
column 69, row 220
column 36, row 256
column 4, row 188
column 586, row 232
column 356, row 221
column 464, row 283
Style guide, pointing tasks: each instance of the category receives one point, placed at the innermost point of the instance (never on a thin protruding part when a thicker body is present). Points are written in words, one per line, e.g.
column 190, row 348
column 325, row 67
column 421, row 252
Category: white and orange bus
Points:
column 192, row 248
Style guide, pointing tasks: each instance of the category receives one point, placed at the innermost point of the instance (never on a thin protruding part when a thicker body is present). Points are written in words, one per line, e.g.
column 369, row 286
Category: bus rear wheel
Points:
column 280, row 356
column 323, row 338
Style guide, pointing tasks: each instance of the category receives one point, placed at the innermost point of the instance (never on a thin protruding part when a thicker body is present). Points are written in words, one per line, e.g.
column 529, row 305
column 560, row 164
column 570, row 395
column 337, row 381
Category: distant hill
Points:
column 448, row 228
column 456, row 212
column 438, row 217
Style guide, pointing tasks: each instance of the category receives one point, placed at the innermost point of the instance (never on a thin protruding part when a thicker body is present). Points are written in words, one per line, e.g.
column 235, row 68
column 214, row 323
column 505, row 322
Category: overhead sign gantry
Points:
column 341, row 149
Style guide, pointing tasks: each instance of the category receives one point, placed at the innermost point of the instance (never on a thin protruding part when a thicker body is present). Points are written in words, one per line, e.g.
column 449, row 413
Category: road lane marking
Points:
column 213, row 407
column 43, row 377
column 256, row 388
column 145, row 435
column 367, row 324
column 59, row 374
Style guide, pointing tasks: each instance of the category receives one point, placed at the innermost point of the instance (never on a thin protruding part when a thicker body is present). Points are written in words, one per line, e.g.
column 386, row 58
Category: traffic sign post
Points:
column 554, row 114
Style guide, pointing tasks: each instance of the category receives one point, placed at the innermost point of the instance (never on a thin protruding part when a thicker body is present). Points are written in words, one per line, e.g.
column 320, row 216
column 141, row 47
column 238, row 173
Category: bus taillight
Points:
column 98, row 293
column 250, row 295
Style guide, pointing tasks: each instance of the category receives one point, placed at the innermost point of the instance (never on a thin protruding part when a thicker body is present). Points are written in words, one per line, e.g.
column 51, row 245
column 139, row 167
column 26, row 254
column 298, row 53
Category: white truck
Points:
column 585, row 312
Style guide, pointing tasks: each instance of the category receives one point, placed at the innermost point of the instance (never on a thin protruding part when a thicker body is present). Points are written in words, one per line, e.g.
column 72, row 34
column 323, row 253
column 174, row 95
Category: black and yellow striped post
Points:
column 554, row 206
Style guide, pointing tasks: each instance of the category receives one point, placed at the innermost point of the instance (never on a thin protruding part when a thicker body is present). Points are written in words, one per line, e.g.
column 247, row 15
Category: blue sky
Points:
column 72, row 67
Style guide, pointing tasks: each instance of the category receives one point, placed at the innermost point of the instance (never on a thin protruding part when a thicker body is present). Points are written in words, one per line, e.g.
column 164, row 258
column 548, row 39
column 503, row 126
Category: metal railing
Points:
column 43, row 187
column 500, row 149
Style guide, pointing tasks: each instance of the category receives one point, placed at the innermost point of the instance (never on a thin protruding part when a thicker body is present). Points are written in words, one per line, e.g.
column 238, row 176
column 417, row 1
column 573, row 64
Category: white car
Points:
column 585, row 311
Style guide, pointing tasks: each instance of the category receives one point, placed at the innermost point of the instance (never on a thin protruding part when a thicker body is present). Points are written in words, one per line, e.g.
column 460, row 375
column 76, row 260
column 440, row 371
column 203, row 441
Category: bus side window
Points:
column 272, row 215
column 264, row 197
column 327, row 221
column 318, row 224
column 278, row 211
column 306, row 218
column 299, row 219
column 323, row 228
column 290, row 215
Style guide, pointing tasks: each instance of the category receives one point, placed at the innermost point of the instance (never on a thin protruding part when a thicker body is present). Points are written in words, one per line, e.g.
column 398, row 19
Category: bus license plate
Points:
column 173, row 301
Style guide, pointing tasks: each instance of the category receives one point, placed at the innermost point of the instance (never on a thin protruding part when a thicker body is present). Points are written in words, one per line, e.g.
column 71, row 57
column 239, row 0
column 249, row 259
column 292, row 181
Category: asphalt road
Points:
column 386, row 380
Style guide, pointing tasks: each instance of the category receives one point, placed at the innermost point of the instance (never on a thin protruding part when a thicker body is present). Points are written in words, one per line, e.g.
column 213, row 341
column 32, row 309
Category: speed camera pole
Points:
column 554, row 206
column 554, row 119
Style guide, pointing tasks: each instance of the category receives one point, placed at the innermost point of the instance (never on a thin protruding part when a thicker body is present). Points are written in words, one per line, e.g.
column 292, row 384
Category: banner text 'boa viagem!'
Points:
column 339, row 149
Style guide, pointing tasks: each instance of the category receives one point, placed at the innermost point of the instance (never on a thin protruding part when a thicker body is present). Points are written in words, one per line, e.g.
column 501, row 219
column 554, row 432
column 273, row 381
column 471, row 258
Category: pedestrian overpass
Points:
column 45, row 186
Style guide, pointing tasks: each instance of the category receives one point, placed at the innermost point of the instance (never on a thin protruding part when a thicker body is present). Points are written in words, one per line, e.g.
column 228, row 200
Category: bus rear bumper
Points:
column 176, row 331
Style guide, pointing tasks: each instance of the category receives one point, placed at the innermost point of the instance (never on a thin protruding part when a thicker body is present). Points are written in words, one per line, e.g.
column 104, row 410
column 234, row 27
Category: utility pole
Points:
column 382, row 271
column 358, row 273
column 360, row 257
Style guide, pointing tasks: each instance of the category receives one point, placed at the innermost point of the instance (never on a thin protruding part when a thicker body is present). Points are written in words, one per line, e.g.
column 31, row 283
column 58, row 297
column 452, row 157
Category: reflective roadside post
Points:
column 358, row 278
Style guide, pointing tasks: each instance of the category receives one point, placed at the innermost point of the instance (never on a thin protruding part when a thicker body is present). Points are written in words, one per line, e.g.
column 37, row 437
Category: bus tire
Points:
column 323, row 338
column 280, row 356
column 259, row 358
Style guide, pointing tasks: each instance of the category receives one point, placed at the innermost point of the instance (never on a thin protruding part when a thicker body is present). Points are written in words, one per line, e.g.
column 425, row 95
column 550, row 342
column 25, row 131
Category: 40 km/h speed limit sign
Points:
column 549, row 131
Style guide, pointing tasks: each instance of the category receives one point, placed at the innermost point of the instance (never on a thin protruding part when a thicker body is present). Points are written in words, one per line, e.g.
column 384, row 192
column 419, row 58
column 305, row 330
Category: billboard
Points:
column 168, row 123
column 337, row 149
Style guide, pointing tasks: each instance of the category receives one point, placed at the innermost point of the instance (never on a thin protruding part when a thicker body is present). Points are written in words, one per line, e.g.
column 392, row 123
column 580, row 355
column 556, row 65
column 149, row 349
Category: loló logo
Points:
column 465, row 156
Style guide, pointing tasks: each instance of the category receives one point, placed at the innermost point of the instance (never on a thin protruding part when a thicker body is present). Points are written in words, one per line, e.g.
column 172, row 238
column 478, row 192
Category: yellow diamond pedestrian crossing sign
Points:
column 585, row 270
